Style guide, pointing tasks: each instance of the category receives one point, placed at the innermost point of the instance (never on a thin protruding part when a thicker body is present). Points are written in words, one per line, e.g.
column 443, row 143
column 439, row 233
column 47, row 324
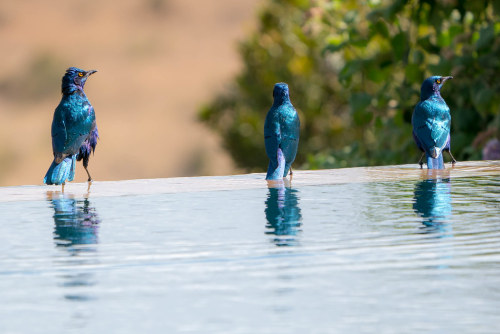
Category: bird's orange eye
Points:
column 438, row 81
column 80, row 74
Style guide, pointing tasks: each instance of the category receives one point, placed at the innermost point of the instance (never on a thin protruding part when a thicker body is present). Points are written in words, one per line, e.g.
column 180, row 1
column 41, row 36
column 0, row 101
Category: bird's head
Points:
column 280, row 92
column 431, row 86
column 74, row 79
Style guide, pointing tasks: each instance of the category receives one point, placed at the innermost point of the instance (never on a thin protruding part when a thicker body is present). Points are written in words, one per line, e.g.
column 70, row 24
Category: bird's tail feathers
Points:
column 62, row 172
column 435, row 163
column 435, row 152
column 276, row 169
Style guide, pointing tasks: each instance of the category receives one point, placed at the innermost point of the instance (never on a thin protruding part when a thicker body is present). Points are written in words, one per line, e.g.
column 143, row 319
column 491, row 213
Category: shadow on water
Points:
column 76, row 225
column 283, row 213
column 432, row 202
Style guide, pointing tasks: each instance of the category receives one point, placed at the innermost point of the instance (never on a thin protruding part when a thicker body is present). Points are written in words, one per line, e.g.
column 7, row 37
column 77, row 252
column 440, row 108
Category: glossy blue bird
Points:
column 431, row 122
column 281, row 133
column 74, row 130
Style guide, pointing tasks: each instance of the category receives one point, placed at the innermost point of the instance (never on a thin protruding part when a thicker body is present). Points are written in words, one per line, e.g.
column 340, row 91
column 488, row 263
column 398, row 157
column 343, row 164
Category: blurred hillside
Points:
column 158, row 60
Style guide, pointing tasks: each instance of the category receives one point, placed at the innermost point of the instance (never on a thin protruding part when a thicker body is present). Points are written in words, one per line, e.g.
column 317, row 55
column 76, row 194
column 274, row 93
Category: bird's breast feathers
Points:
column 73, row 122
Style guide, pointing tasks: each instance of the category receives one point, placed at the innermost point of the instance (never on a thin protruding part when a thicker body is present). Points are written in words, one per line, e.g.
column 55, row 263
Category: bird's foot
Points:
column 88, row 174
column 421, row 160
column 453, row 160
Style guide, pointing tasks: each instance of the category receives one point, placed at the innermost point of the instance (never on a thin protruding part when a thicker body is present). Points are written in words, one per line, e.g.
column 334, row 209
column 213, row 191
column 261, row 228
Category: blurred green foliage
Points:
column 354, row 69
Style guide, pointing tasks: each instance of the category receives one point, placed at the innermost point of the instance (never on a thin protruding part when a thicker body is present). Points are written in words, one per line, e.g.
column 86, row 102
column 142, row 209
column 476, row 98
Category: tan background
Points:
column 158, row 62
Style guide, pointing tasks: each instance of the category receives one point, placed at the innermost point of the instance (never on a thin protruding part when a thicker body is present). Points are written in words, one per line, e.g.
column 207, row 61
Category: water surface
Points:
column 392, row 256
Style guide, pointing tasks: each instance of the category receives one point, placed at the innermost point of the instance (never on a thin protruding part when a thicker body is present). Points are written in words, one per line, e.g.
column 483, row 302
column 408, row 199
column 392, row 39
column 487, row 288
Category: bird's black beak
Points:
column 89, row 73
column 443, row 79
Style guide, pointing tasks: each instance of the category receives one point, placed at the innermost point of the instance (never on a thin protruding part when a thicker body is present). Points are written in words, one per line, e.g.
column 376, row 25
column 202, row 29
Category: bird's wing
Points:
column 440, row 130
column 272, row 134
column 58, row 131
column 291, row 132
column 431, row 124
column 417, row 141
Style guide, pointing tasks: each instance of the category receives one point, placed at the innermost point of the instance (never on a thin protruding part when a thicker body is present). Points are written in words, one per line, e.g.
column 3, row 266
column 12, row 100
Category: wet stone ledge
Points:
column 250, row 181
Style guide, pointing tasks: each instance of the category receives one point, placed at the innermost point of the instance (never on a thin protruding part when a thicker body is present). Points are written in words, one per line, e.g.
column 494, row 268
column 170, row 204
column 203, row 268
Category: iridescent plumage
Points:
column 74, row 130
column 431, row 122
column 281, row 133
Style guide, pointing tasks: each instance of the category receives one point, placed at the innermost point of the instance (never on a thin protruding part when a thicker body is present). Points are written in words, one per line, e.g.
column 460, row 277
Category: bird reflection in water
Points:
column 76, row 226
column 432, row 202
column 76, row 221
column 283, row 213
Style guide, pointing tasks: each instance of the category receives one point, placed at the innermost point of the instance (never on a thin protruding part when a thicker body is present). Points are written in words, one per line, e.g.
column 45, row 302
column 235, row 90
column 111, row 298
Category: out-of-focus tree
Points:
column 354, row 69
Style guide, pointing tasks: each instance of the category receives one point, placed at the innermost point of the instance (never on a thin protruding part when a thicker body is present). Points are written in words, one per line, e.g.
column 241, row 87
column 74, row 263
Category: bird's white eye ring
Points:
column 80, row 74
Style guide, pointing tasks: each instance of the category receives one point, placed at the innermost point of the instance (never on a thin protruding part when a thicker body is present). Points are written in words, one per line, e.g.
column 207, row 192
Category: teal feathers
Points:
column 431, row 122
column 281, row 133
column 74, row 129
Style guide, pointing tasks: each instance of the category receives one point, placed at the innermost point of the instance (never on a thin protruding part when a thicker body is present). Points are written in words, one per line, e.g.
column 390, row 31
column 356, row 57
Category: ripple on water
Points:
column 413, row 254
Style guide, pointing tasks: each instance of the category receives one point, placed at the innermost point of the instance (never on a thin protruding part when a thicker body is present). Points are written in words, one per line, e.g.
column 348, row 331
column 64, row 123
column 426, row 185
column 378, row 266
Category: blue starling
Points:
column 74, row 129
column 281, row 134
column 431, row 122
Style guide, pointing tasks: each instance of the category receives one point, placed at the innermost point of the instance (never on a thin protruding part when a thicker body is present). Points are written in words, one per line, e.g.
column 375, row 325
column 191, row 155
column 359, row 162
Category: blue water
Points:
column 387, row 257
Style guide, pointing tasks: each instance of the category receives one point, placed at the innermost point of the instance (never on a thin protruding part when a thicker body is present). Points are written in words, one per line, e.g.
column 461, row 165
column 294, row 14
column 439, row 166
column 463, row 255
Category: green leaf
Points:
column 413, row 73
column 442, row 68
column 334, row 43
column 455, row 30
column 486, row 36
column 349, row 69
column 426, row 44
column 399, row 45
column 444, row 38
column 482, row 98
column 380, row 28
column 359, row 107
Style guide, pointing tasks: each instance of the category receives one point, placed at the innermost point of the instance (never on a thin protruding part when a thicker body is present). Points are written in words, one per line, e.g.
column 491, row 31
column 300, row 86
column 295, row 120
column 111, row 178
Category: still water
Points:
column 405, row 256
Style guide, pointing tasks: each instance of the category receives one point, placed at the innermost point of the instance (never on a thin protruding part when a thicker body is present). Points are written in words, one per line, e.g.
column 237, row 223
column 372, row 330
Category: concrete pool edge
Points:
column 248, row 181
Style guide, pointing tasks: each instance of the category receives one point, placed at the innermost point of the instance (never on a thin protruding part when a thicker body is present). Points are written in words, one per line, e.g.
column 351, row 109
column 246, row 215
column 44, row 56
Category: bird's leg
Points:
column 86, row 165
column 453, row 160
column 62, row 189
column 90, row 178
column 421, row 162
